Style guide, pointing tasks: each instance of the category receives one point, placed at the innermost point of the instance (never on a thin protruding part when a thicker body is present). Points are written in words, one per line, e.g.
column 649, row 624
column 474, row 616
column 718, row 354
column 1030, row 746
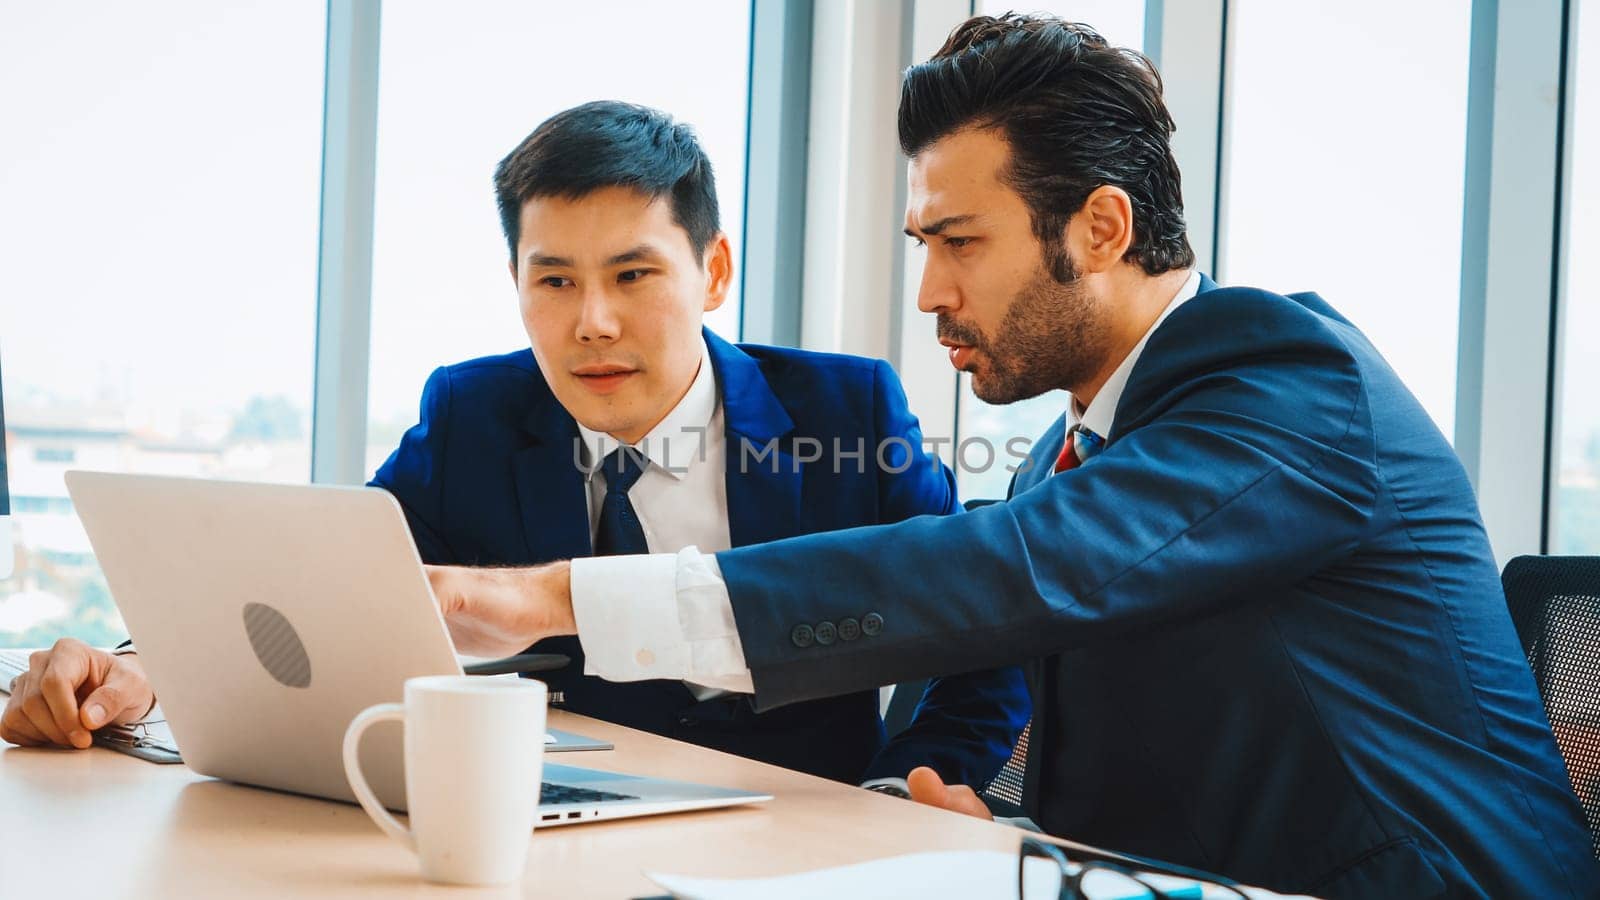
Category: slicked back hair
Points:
column 1076, row 114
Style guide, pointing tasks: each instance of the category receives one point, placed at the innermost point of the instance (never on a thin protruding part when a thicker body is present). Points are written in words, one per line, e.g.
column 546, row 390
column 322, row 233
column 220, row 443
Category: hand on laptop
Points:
column 45, row 707
column 927, row 787
column 498, row 612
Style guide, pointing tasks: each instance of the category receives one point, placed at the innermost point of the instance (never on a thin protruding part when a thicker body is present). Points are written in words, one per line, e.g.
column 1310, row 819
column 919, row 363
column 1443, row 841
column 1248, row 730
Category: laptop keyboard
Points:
column 566, row 793
column 12, row 664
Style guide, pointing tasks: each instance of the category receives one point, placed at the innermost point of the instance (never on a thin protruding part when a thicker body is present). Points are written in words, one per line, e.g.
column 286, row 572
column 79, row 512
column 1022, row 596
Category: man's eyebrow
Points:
column 942, row 224
column 634, row 254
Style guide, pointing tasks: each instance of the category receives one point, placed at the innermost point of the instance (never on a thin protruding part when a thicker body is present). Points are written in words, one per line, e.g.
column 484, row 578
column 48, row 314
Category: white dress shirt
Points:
column 681, row 499
column 1098, row 415
column 678, row 620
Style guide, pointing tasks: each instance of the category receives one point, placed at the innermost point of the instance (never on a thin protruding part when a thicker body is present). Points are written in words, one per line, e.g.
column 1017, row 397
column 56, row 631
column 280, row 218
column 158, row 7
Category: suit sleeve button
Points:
column 826, row 633
column 871, row 624
column 802, row 636
column 849, row 629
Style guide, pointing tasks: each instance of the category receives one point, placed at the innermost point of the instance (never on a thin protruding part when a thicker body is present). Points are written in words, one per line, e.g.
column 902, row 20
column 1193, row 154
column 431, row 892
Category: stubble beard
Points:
column 1052, row 336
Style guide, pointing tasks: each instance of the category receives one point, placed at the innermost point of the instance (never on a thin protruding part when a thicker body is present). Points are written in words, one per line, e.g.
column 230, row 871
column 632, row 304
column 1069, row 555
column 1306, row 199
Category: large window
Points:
column 159, row 195
column 1120, row 21
column 1345, row 164
column 460, row 86
column 158, row 241
column 983, row 427
column 1577, row 496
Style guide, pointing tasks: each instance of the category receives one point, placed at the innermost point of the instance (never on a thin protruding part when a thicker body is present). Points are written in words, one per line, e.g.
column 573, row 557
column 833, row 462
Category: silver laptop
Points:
column 207, row 574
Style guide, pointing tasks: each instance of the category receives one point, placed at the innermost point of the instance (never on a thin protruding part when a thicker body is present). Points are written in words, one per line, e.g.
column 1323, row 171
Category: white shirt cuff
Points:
column 658, row 616
column 627, row 615
column 716, row 655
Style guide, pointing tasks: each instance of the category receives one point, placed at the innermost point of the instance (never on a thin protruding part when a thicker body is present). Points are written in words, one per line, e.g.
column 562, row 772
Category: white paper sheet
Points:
column 971, row 875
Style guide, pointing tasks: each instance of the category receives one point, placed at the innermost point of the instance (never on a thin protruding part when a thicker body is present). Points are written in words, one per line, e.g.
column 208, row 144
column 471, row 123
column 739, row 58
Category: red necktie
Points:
column 1069, row 453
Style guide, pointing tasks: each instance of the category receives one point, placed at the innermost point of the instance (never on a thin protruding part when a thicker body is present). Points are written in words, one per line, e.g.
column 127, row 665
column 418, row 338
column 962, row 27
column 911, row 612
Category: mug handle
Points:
column 383, row 712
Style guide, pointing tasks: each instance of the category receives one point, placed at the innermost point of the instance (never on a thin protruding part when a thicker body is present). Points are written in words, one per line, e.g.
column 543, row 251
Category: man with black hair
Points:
column 1263, row 626
column 629, row 428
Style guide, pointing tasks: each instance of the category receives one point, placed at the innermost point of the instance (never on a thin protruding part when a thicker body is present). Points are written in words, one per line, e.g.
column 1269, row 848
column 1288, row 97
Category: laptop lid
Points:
column 267, row 616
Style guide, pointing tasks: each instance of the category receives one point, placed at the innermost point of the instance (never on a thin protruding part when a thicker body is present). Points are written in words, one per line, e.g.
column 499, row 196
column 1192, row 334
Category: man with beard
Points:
column 1264, row 629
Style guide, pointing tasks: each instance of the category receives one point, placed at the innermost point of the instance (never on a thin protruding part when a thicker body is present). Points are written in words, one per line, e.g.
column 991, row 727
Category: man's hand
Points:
column 499, row 612
column 927, row 787
column 71, row 690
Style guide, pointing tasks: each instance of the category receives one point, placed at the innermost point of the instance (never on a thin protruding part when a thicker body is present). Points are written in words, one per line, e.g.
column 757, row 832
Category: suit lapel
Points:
column 550, row 487
column 763, row 479
column 1134, row 402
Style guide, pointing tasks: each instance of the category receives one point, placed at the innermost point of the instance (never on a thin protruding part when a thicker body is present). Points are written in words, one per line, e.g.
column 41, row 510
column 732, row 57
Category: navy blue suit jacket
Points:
column 489, row 477
column 1266, row 631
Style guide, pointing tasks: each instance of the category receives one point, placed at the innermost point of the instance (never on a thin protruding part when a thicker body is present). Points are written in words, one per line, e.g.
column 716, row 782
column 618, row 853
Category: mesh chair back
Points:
column 1004, row 794
column 1555, row 605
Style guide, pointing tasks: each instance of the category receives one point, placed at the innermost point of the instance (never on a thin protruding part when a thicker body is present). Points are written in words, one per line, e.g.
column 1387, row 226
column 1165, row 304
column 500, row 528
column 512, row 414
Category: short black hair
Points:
column 1076, row 113
column 603, row 144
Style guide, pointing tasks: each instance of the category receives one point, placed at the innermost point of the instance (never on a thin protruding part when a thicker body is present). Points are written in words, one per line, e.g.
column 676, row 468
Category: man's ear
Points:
column 511, row 266
column 718, row 263
column 1099, row 235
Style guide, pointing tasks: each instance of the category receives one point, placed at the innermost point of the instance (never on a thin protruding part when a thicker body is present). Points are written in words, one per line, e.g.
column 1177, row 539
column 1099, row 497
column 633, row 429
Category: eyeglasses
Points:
column 1045, row 873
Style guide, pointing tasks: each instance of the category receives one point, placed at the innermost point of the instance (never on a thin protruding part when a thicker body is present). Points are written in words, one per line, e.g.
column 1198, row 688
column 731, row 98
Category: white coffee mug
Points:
column 474, row 755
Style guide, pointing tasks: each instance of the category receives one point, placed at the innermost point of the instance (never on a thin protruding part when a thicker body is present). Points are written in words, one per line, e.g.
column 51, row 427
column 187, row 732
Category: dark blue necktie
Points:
column 620, row 532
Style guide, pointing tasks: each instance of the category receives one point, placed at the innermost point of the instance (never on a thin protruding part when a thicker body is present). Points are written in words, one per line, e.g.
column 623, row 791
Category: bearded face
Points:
column 1051, row 335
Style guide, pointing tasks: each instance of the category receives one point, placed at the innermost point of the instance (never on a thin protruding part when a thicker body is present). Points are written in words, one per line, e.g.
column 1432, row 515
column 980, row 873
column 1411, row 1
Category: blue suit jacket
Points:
column 489, row 477
column 1266, row 632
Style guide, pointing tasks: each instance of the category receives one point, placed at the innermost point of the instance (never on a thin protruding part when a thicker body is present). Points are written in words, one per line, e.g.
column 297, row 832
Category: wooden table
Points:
column 100, row 824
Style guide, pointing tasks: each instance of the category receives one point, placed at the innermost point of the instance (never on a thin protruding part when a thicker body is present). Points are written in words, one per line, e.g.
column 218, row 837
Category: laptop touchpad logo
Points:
column 277, row 646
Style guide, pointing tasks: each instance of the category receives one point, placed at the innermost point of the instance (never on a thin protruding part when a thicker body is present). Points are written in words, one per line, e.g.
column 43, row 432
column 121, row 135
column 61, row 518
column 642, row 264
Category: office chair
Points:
column 1555, row 605
column 1004, row 793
